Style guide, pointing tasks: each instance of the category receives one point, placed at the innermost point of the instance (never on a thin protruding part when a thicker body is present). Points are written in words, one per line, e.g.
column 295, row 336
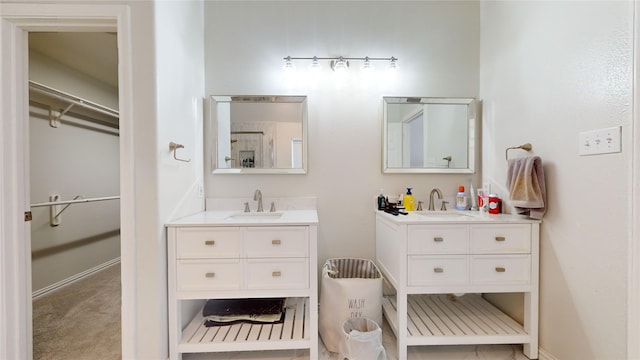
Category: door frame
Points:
column 16, row 21
column 633, row 295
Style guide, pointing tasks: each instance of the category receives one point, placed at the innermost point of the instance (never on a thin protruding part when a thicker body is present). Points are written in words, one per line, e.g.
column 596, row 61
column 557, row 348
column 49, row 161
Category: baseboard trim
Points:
column 544, row 355
column 72, row 279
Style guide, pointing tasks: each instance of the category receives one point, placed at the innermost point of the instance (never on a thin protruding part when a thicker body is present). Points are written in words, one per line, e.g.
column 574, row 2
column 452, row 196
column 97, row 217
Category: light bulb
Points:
column 393, row 65
column 315, row 65
column 341, row 66
column 367, row 66
column 288, row 66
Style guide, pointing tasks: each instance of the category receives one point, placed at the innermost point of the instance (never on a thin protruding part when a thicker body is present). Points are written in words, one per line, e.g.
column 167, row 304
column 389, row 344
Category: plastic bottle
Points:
column 382, row 202
column 409, row 201
column 472, row 197
column 461, row 199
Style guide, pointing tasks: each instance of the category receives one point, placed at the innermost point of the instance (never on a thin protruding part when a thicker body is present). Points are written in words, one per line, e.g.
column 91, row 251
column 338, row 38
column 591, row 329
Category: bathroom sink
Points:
column 442, row 214
column 255, row 216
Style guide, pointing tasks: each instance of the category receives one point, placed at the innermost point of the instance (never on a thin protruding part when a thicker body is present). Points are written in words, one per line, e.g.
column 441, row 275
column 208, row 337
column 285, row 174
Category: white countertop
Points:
column 454, row 216
column 221, row 218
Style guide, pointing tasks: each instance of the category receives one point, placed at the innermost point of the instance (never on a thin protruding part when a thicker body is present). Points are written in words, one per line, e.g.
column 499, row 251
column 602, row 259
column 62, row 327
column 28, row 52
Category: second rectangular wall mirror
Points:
column 429, row 135
column 265, row 134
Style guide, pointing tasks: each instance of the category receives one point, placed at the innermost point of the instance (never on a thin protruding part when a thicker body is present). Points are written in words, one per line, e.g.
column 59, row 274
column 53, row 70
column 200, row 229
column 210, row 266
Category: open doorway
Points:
column 16, row 21
column 74, row 190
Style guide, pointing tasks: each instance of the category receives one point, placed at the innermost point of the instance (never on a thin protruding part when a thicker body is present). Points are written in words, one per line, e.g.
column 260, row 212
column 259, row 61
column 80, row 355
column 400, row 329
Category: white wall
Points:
column 179, row 54
column 548, row 71
column 437, row 47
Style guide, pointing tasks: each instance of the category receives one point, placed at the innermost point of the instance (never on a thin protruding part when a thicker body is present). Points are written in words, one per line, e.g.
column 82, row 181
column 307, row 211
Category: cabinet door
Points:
column 437, row 270
column 501, row 269
column 208, row 242
column 500, row 239
column 198, row 275
column 281, row 242
column 438, row 239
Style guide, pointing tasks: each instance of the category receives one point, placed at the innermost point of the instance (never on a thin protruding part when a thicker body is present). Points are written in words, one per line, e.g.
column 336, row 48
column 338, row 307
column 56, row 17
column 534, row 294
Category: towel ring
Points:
column 526, row 147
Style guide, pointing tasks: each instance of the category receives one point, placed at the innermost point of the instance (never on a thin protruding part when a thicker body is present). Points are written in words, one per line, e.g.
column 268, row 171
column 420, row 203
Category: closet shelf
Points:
column 67, row 101
column 75, row 201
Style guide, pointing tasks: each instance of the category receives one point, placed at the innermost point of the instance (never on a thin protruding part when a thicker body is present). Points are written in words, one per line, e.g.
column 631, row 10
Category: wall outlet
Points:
column 200, row 191
column 600, row 141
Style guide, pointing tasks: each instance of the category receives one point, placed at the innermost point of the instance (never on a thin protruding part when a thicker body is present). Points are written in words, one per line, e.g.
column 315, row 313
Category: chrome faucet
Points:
column 257, row 196
column 437, row 191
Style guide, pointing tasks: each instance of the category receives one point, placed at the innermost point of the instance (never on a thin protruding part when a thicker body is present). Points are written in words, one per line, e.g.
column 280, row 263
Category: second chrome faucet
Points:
column 431, row 202
column 257, row 196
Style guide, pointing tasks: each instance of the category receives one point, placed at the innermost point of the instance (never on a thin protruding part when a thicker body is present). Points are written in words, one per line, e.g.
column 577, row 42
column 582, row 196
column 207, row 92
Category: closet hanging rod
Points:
column 64, row 202
column 60, row 95
column 247, row 132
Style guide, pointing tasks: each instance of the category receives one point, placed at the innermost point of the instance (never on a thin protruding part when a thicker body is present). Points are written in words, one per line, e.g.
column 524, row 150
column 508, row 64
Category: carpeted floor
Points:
column 80, row 321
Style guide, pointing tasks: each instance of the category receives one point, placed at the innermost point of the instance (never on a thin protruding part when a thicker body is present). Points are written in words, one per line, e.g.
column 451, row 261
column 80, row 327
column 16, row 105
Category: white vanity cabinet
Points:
column 212, row 257
column 440, row 267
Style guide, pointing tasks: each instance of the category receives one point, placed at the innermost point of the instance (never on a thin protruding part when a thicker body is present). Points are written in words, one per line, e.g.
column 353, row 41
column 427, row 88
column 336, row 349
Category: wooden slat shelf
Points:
column 446, row 320
column 293, row 333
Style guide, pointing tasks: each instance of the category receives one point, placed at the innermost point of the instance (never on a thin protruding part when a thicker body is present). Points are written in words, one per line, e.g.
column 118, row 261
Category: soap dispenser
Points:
column 409, row 201
column 382, row 202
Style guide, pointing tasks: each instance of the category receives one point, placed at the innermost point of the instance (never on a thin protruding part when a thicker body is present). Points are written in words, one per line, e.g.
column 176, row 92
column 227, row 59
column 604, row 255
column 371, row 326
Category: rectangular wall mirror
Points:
column 429, row 135
column 264, row 134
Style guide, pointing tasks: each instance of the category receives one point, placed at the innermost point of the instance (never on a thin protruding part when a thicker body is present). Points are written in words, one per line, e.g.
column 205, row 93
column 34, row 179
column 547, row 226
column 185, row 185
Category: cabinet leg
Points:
column 402, row 307
column 530, row 351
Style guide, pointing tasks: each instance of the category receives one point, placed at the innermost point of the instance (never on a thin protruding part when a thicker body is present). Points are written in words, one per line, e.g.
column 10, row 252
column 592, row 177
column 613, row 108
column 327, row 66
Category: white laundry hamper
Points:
column 350, row 288
column 361, row 340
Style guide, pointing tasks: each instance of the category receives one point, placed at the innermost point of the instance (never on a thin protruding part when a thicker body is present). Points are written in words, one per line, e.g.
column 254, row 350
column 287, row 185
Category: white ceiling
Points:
column 94, row 54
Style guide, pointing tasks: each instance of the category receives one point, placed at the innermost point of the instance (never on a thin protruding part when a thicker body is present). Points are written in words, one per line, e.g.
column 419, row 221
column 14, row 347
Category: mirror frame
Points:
column 214, row 100
column 471, row 134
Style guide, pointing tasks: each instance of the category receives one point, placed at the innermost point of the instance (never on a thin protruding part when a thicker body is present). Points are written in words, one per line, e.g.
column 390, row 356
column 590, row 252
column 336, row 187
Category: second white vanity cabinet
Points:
column 440, row 266
column 215, row 256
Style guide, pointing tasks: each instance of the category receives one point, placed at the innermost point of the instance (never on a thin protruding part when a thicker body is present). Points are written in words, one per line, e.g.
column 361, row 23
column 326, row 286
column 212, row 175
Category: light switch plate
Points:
column 600, row 141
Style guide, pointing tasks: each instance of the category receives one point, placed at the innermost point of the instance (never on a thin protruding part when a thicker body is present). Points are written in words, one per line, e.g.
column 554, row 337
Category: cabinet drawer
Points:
column 292, row 273
column 492, row 239
column 278, row 242
column 435, row 239
column 197, row 243
column 223, row 274
column 432, row 270
column 501, row 269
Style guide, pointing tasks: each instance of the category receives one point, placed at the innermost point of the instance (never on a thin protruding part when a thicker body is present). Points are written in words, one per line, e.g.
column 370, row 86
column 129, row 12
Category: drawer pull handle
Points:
column 438, row 239
column 500, row 269
column 210, row 275
column 276, row 274
column 209, row 242
column 276, row 242
column 438, row 270
column 500, row 238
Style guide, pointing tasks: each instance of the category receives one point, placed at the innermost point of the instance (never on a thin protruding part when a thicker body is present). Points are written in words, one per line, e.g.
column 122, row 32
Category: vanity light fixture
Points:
column 340, row 63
